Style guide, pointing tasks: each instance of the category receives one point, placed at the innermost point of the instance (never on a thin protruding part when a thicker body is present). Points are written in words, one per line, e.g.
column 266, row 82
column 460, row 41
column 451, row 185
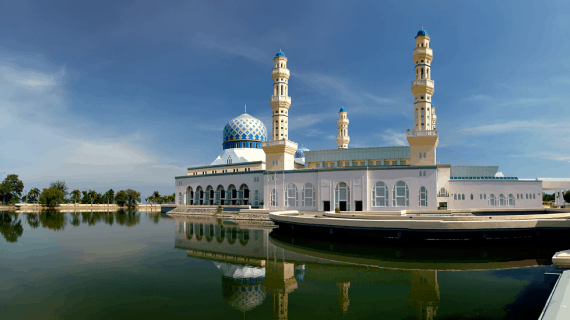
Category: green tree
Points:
column 76, row 196
column 10, row 228
column 51, row 197
column 567, row 196
column 75, row 220
column 34, row 195
column 11, row 189
column 33, row 220
column 60, row 185
column 53, row 219
column 121, row 198
column 110, row 195
column 133, row 197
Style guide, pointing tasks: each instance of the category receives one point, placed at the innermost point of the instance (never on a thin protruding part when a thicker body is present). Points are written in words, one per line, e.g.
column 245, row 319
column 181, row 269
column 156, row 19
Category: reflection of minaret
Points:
column 343, row 301
column 424, row 294
column 280, row 279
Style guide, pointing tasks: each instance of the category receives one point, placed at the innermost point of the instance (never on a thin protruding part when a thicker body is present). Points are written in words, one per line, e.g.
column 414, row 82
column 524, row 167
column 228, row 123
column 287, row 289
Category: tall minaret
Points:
column 422, row 86
column 280, row 100
column 342, row 139
column 423, row 139
column 280, row 151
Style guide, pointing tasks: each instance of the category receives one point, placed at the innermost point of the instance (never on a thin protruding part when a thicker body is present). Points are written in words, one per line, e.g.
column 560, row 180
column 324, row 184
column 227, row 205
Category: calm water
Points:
column 147, row 266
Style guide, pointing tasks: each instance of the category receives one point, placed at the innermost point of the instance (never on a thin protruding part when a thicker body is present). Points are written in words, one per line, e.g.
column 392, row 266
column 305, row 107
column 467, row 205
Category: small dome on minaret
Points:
column 422, row 33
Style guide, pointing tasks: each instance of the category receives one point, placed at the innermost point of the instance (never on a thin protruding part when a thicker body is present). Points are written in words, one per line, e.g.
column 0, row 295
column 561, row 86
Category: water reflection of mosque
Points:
column 254, row 269
column 256, row 266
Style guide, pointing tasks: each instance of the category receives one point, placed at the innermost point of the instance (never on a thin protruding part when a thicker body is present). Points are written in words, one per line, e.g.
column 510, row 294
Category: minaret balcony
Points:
column 422, row 133
column 424, row 82
column 422, row 53
column 280, row 72
column 281, row 99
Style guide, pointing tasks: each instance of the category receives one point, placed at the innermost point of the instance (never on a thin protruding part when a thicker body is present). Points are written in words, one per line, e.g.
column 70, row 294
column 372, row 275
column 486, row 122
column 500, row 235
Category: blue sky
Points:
column 114, row 94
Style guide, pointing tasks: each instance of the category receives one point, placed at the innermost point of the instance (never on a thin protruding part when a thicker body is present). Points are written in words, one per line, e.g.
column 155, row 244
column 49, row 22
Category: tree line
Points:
column 12, row 191
column 11, row 226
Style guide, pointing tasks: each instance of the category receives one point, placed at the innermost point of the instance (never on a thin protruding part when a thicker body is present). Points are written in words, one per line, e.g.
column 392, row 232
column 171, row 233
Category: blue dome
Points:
column 342, row 110
column 280, row 54
column 300, row 154
column 422, row 33
column 243, row 294
column 243, row 129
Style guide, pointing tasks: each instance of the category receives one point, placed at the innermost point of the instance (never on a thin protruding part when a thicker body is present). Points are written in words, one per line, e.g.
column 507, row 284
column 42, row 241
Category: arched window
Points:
column 492, row 200
column 274, row 198
column 442, row 192
column 534, row 196
column 229, row 159
column 380, row 195
column 463, row 196
column 422, row 197
column 424, row 153
column 308, row 195
column 420, row 173
column 511, row 200
column 420, row 155
column 281, row 90
column 471, row 196
column 502, row 200
column 455, row 196
column 342, row 196
column 219, row 195
column 422, row 73
column 180, row 197
column 400, row 195
column 197, row 197
column 292, row 195
column 424, row 173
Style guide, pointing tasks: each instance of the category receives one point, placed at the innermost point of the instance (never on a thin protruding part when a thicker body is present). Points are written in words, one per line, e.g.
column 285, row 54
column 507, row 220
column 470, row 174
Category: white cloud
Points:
column 106, row 154
column 393, row 138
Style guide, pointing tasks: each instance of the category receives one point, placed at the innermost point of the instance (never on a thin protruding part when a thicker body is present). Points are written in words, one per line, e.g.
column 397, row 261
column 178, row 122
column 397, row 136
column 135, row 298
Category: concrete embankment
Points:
column 228, row 213
column 71, row 207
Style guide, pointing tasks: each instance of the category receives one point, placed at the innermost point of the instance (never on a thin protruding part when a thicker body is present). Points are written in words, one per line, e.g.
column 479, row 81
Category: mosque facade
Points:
column 273, row 173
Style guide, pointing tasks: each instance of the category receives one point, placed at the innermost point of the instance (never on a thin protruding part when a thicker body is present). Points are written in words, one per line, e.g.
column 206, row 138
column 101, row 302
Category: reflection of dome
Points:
column 300, row 154
column 240, row 296
column 422, row 33
column 342, row 109
column 280, row 54
column 244, row 131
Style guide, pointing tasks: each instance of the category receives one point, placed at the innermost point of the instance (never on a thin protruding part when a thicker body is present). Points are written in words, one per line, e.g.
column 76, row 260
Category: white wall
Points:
column 496, row 187
column 220, row 179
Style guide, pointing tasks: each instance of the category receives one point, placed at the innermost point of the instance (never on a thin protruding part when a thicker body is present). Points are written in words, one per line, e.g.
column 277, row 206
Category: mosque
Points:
column 274, row 173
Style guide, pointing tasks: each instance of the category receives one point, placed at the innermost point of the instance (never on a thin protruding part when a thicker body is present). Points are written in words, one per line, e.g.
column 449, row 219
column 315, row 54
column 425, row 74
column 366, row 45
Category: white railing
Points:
column 279, row 142
column 423, row 50
column 421, row 133
column 280, row 98
column 282, row 71
column 429, row 83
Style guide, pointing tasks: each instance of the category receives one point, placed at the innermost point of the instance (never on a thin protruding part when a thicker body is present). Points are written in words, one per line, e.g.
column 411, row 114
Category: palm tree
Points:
column 34, row 193
column 75, row 194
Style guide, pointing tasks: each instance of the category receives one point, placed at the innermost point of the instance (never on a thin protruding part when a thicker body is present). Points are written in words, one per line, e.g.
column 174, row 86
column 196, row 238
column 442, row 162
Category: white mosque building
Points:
column 273, row 173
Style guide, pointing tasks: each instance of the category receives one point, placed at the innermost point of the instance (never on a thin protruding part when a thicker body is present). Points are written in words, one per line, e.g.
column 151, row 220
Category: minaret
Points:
column 423, row 139
column 343, row 300
column 280, row 152
column 342, row 138
column 423, row 86
column 280, row 100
